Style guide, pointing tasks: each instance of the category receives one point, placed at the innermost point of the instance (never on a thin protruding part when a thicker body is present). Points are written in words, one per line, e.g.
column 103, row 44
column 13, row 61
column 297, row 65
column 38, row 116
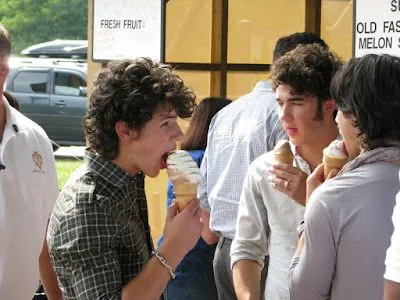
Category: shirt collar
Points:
column 300, row 161
column 107, row 170
column 11, row 127
column 264, row 85
column 294, row 147
column 11, row 120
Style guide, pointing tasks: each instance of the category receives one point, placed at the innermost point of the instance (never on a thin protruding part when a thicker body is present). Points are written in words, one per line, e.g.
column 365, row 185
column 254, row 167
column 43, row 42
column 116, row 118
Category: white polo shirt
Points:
column 28, row 189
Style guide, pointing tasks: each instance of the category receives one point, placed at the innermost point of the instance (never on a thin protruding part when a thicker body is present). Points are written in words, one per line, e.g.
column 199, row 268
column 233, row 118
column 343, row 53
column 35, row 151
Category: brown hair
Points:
column 308, row 70
column 131, row 91
column 195, row 137
column 5, row 42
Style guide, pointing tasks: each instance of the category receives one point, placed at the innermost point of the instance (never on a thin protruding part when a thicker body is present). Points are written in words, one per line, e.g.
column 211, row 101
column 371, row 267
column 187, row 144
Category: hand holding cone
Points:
column 334, row 157
column 282, row 153
column 185, row 176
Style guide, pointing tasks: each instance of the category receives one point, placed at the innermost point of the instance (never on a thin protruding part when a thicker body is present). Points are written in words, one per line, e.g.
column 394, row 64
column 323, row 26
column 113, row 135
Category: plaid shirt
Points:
column 99, row 237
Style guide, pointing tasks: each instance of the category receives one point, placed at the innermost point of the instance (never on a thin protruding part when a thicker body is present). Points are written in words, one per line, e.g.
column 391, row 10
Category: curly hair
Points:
column 289, row 42
column 368, row 89
column 308, row 69
column 131, row 91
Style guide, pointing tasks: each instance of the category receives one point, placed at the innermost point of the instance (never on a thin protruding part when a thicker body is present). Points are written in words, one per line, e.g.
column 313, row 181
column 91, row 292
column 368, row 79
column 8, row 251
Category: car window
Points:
column 67, row 84
column 30, row 82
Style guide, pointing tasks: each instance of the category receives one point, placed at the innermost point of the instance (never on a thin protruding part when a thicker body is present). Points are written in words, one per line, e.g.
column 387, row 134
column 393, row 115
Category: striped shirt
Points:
column 238, row 134
column 99, row 237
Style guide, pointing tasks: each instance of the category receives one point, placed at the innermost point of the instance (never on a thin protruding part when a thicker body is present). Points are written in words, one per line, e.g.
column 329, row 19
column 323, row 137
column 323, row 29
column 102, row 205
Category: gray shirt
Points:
column 238, row 134
column 347, row 231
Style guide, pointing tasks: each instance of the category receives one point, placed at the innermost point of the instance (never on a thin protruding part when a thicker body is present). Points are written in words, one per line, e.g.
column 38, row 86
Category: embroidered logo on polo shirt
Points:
column 38, row 160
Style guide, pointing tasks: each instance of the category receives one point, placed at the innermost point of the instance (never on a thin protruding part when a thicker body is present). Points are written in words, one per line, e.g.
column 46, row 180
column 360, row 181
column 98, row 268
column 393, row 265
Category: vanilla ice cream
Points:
column 334, row 157
column 185, row 176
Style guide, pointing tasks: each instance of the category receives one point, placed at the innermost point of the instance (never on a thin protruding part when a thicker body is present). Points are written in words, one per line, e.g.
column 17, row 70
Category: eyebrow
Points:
column 169, row 116
column 294, row 98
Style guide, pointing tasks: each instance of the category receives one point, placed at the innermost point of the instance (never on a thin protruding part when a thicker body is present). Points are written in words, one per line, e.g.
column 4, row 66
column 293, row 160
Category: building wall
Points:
column 253, row 28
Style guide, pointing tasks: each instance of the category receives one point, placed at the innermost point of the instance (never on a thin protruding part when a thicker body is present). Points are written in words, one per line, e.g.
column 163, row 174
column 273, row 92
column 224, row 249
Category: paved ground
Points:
column 71, row 151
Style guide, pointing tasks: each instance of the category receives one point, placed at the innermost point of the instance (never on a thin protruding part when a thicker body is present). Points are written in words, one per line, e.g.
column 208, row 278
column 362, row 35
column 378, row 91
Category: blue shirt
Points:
column 239, row 133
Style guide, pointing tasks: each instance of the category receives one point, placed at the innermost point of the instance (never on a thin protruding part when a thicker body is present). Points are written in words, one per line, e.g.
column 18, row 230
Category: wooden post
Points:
column 313, row 16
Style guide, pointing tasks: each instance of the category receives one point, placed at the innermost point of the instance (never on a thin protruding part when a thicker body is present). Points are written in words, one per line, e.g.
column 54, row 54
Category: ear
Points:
column 4, row 68
column 329, row 106
column 123, row 132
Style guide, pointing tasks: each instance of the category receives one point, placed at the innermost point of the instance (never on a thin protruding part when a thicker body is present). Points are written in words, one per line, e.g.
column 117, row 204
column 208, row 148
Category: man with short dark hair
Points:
column 99, row 236
column 28, row 189
column 273, row 195
column 238, row 134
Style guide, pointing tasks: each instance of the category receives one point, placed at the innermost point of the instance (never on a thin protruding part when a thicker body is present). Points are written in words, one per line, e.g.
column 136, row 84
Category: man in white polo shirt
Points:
column 28, row 189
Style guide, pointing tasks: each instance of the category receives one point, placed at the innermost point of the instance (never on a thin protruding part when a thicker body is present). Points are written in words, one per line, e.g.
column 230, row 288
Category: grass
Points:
column 65, row 166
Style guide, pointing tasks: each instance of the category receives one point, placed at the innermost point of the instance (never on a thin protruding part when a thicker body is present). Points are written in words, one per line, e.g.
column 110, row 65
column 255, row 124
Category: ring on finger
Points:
column 286, row 184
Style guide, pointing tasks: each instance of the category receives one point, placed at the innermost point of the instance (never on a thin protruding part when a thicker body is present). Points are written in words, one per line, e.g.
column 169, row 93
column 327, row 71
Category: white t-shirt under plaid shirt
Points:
column 99, row 237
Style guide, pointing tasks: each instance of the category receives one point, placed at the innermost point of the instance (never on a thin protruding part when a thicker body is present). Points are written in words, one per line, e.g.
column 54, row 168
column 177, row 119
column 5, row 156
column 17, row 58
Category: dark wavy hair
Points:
column 308, row 70
column 131, row 91
column 195, row 137
column 367, row 88
column 289, row 42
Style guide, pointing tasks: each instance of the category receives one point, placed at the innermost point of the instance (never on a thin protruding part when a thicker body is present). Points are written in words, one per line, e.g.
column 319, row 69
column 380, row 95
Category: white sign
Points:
column 126, row 29
column 377, row 27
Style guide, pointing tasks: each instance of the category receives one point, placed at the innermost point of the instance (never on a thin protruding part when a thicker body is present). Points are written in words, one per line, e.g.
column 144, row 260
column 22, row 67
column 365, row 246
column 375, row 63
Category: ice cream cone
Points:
column 331, row 163
column 185, row 176
column 184, row 193
column 284, row 158
column 334, row 157
column 282, row 153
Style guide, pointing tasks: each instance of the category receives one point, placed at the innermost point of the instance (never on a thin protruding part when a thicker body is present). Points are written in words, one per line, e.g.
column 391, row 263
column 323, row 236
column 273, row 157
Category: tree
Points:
column 36, row 21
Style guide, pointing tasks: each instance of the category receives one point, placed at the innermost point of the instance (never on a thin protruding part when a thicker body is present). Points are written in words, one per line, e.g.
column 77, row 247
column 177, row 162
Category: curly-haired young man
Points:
column 99, row 236
column 270, row 210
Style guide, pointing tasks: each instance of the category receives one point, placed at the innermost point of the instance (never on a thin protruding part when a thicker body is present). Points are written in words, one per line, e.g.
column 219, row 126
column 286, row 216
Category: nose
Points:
column 284, row 112
column 177, row 134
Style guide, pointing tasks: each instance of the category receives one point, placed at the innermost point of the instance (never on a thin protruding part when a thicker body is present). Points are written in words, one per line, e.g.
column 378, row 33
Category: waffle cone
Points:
column 331, row 163
column 284, row 158
column 184, row 193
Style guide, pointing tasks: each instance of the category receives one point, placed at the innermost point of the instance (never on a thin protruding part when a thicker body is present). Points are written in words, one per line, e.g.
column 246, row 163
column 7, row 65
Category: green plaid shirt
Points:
column 99, row 237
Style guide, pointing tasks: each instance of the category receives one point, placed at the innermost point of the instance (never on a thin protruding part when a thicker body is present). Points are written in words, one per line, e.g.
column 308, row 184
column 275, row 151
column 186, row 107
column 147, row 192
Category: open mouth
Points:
column 164, row 160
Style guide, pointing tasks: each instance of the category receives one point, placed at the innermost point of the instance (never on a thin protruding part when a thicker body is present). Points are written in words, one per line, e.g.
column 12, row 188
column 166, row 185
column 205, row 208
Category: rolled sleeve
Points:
column 251, row 239
column 392, row 261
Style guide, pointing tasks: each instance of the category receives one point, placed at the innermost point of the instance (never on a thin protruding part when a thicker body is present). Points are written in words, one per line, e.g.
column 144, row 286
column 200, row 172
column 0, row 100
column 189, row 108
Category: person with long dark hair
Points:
column 194, row 275
column 341, row 254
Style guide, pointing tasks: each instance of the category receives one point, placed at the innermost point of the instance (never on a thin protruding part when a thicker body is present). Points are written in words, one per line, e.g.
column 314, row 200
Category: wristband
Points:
column 165, row 263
